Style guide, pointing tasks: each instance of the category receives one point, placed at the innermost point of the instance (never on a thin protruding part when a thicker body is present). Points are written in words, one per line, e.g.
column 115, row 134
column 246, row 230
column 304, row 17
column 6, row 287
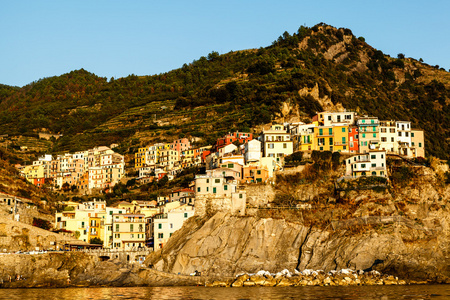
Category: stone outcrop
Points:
column 15, row 236
column 403, row 232
column 82, row 270
column 344, row 277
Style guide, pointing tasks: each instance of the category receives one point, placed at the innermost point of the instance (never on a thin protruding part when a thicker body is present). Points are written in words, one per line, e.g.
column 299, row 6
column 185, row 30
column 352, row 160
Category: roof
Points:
column 183, row 190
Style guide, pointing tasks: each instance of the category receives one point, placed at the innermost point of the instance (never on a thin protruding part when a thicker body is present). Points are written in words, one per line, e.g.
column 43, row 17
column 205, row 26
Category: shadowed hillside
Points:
column 311, row 70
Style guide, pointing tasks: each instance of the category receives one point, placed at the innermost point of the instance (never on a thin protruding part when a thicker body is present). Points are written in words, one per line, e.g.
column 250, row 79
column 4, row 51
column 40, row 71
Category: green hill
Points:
column 313, row 69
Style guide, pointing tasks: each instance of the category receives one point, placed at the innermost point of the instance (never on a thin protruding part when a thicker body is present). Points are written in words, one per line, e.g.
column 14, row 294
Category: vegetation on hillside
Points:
column 234, row 91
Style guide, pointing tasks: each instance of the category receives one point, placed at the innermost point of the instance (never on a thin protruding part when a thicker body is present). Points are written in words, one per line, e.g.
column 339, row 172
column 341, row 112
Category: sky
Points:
column 40, row 38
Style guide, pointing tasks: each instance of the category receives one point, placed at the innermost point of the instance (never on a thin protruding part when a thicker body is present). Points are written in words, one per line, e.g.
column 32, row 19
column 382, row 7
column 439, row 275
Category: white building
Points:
column 336, row 118
column 167, row 223
column 252, row 150
column 372, row 163
column 276, row 143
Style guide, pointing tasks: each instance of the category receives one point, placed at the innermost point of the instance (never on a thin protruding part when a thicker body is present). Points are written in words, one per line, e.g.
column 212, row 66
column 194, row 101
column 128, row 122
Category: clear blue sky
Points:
column 117, row 38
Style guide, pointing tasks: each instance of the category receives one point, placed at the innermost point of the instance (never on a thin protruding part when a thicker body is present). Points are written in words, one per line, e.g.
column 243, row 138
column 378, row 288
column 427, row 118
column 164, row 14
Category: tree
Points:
column 401, row 56
column 96, row 241
column 44, row 224
column 65, row 187
column 163, row 181
column 213, row 55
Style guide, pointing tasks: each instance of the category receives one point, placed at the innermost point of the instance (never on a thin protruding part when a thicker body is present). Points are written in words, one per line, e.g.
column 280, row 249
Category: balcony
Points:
column 375, row 123
column 323, row 135
column 340, row 143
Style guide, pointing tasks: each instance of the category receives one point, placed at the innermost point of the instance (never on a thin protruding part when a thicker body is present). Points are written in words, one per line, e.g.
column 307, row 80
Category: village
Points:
column 234, row 161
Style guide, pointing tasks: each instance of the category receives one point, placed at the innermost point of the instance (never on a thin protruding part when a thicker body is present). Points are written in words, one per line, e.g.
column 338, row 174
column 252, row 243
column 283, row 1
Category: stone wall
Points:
column 259, row 194
column 210, row 204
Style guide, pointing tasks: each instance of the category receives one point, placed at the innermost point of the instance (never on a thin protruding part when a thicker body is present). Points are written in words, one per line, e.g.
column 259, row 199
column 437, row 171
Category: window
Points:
column 407, row 134
column 330, row 131
column 374, row 128
column 363, row 165
column 160, row 235
column 131, row 227
column 225, row 187
column 117, row 227
column 240, row 196
column 392, row 139
column 214, row 190
column 383, row 139
column 216, row 180
column 171, row 225
column 185, row 215
column 258, row 172
column 343, row 129
column 374, row 165
column 412, row 134
column 374, row 173
column 270, row 146
column 372, row 121
column 198, row 190
column 412, row 143
column 372, row 156
column 383, row 130
column 374, row 135
column 284, row 145
column 364, row 135
column 160, row 226
column 363, row 121
column 420, row 144
column 320, row 131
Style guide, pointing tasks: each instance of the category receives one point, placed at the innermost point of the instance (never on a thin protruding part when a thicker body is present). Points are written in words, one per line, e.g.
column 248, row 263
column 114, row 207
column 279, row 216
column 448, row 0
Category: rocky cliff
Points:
column 402, row 230
column 83, row 270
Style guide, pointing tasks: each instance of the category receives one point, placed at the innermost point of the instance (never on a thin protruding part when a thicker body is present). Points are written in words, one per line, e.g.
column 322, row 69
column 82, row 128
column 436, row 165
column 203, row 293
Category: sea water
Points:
column 313, row 292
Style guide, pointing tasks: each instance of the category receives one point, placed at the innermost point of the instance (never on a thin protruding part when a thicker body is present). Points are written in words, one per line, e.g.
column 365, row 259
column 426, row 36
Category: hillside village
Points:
column 235, row 161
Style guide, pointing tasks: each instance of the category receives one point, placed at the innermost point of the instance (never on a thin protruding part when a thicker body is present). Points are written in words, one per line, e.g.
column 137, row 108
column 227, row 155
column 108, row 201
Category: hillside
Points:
column 314, row 69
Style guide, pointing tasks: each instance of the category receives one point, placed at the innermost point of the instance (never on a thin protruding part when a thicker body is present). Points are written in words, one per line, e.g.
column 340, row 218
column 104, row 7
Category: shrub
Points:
column 44, row 224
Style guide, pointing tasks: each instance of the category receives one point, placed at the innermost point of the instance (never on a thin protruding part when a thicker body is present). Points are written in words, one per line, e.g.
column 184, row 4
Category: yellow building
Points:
column 139, row 158
column 324, row 138
column 95, row 229
column 128, row 231
column 32, row 172
column 340, row 138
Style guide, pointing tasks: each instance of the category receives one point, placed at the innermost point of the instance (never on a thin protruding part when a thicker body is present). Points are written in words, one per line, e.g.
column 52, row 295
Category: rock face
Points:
column 79, row 269
column 226, row 246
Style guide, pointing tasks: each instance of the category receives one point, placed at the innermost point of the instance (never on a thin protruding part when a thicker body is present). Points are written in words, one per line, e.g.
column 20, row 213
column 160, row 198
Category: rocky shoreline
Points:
column 346, row 277
column 61, row 270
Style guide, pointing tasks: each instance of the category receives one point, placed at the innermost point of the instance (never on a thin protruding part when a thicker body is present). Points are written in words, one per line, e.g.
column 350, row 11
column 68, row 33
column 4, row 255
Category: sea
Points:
column 313, row 292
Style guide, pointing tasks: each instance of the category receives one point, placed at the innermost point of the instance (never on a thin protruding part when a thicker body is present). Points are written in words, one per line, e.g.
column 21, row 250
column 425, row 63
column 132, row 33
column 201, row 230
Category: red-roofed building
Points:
column 241, row 137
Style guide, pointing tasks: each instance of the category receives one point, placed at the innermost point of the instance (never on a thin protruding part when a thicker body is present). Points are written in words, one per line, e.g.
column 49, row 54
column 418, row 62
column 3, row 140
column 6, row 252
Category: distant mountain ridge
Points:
column 298, row 75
